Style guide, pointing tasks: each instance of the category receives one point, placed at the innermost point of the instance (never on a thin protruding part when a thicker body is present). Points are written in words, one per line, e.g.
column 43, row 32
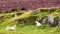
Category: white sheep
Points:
column 15, row 15
column 37, row 23
column 11, row 27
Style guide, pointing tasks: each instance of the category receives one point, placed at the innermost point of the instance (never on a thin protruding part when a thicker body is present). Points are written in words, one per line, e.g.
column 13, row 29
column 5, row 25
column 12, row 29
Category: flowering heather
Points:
column 30, row 4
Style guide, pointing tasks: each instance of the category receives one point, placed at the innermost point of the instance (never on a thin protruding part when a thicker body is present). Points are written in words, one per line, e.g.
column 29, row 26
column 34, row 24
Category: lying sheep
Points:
column 11, row 27
column 37, row 23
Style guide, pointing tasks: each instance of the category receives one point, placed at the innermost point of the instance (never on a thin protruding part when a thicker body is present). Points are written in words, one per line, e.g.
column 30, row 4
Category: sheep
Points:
column 37, row 23
column 15, row 14
column 11, row 27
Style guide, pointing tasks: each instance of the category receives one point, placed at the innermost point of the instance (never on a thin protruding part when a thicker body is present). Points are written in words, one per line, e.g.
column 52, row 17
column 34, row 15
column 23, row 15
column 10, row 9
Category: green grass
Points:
column 27, row 29
column 31, row 29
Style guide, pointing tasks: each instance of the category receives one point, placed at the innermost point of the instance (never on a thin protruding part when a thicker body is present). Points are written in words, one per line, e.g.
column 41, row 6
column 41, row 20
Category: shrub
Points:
column 58, row 10
column 14, row 9
column 44, row 10
column 30, row 17
column 22, row 8
column 53, row 10
column 19, row 13
column 26, row 18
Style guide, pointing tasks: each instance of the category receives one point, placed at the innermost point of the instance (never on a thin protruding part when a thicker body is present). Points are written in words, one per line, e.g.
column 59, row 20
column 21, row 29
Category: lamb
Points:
column 37, row 23
column 11, row 27
column 15, row 14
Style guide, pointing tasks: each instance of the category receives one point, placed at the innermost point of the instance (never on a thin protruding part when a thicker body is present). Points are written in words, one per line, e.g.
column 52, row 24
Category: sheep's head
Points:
column 14, row 26
column 36, row 22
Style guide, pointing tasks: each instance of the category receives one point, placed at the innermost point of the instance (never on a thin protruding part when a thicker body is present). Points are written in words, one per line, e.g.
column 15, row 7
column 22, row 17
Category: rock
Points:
column 44, row 21
column 53, row 21
column 59, row 19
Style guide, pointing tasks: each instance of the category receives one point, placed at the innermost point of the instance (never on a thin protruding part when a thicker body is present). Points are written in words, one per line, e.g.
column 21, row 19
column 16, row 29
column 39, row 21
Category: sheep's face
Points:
column 36, row 21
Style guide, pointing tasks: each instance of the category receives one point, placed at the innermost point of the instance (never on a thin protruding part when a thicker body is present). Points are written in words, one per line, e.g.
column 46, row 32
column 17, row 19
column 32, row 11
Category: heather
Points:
column 29, row 4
